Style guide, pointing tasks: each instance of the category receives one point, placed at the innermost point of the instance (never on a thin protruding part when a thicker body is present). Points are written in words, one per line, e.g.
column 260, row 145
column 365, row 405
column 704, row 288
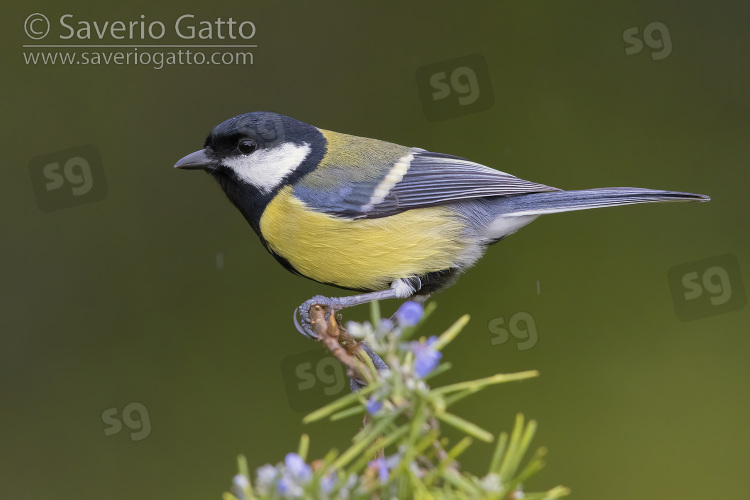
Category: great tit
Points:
column 372, row 216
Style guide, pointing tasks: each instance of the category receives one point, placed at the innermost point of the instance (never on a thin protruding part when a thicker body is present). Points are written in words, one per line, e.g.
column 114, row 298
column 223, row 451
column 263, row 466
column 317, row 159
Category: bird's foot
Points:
column 302, row 313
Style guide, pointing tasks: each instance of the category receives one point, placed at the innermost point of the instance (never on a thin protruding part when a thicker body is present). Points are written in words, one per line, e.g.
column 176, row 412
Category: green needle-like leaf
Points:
column 466, row 426
column 475, row 385
column 304, row 445
column 338, row 404
column 502, row 441
column 375, row 313
column 508, row 469
column 368, row 435
column 451, row 333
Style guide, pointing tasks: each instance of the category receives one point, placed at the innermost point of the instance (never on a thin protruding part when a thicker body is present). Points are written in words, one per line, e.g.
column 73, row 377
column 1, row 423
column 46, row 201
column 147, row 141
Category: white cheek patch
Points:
column 266, row 168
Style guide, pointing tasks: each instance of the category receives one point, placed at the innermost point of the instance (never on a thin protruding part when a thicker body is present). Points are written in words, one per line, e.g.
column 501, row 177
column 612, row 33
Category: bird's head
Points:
column 260, row 151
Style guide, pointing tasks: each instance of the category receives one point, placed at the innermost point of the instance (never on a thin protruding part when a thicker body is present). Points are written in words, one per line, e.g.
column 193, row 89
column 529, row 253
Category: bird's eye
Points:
column 247, row 146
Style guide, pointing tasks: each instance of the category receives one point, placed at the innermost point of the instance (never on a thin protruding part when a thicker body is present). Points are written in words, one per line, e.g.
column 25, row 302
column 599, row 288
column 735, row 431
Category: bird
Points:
column 385, row 220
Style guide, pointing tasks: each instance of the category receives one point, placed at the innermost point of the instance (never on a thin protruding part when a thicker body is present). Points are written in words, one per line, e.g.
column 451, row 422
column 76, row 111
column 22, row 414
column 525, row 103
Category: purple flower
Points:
column 425, row 357
column 382, row 466
column 284, row 486
column 241, row 484
column 327, row 482
column 241, row 481
column 409, row 313
column 297, row 467
column 265, row 476
column 373, row 406
column 287, row 488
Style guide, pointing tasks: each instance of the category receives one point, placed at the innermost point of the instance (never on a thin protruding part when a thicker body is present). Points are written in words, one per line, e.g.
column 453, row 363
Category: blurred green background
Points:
column 160, row 293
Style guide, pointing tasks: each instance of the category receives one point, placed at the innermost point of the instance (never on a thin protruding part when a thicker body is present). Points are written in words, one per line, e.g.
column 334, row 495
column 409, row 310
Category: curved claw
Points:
column 304, row 326
column 305, row 329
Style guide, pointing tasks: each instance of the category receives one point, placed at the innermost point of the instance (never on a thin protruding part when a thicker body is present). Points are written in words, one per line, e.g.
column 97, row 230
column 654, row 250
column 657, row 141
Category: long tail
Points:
column 565, row 201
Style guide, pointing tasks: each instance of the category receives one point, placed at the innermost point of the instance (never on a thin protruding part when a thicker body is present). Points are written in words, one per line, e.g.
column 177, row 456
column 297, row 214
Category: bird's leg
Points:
column 333, row 305
column 399, row 289
column 354, row 383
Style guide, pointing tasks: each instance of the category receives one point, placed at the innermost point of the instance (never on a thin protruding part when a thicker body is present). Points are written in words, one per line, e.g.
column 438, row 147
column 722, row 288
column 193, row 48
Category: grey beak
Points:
column 194, row 161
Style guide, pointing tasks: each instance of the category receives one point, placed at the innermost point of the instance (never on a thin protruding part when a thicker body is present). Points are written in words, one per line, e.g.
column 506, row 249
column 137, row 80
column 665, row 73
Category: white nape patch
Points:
column 403, row 288
column 507, row 224
column 266, row 168
column 394, row 176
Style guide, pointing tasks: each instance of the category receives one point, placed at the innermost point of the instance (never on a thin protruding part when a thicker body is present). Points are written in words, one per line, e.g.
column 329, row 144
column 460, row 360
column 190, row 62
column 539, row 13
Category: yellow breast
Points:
column 362, row 254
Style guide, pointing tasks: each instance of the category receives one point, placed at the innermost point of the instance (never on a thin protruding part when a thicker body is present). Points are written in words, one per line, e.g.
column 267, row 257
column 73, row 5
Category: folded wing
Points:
column 420, row 179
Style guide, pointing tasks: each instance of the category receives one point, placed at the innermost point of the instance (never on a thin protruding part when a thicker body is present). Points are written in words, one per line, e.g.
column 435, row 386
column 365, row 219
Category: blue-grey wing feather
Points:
column 431, row 179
